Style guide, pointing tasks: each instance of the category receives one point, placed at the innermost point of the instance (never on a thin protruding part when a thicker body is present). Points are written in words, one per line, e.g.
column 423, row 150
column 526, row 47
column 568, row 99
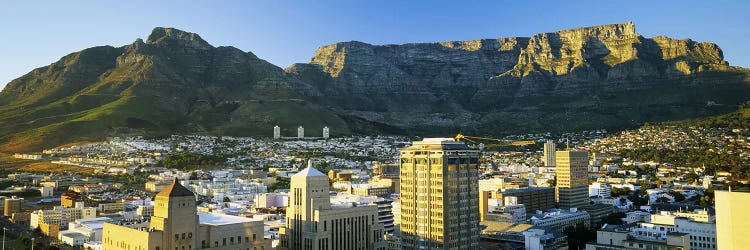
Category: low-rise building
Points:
column 534, row 198
column 600, row 189
column 370, row 190
column 61, row 216
column 111, row 207
column 541, row 239
column 515, row 214
column 559, row 219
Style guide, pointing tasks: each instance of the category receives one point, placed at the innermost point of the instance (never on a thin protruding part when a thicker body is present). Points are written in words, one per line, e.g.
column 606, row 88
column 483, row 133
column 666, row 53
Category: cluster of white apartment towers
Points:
column 300, row 132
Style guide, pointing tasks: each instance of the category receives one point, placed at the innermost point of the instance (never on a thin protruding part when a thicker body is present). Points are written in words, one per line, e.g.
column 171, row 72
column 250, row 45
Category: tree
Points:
column 662, row 199
column 226, row 199
column 677, row 195
column 620, row 191
column 552, row 182
column 614, row 218
column 578, row 236
column 692, row 177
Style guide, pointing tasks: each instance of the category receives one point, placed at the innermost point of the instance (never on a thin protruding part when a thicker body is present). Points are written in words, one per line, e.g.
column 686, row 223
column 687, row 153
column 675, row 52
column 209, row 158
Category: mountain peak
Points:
column 166, row 36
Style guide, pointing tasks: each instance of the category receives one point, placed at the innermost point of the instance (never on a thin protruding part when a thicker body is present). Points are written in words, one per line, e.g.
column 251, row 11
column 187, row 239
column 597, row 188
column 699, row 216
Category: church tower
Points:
column 176, row 201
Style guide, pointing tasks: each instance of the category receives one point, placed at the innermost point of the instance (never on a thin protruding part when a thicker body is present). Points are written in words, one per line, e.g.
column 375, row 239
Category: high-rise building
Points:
column 176, row 224
column 301, row 132
column 439, row 195
column 312, row 222
column 326, row 132
column 276, row 132
column 549, row 153
column 731, row 219
column 571, row 169
column 12, row 205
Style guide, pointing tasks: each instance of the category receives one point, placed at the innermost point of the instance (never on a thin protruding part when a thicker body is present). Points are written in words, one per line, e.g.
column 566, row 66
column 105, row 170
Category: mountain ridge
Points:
column 604, row 76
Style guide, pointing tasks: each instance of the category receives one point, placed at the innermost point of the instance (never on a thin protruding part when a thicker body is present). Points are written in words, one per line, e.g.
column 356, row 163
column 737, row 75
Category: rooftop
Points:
column 72, row 234
column 94, row 223
column 442, row 143
column 309, row 171
column 220, row 219
column 175, row 190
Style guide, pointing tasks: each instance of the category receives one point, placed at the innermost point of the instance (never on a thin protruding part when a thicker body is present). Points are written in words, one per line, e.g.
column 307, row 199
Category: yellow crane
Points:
column 500, row 142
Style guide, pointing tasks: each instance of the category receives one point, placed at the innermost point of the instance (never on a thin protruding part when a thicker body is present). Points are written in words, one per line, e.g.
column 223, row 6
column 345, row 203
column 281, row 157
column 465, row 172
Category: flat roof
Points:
column 220, row 219
column 72, row 234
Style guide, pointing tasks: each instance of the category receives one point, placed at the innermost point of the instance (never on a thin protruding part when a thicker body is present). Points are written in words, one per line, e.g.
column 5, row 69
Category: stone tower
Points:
column 175, row 214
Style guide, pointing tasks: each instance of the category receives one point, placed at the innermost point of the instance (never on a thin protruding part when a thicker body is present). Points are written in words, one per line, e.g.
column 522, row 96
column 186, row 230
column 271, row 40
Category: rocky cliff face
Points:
column 602, row 76
column 175, row 82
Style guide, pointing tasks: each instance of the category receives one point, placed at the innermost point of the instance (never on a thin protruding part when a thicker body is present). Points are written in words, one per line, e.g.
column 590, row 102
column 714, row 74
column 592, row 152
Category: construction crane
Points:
column 500, row 142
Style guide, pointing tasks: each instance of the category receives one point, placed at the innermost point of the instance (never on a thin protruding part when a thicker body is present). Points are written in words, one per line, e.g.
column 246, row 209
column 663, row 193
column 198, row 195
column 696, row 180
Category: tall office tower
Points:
column 549, row 153
column 439, row 195
column 313, row 223
column 276, row 132
column 300, row 132
column 731, row 220
column 326, row 132
column 572, row 188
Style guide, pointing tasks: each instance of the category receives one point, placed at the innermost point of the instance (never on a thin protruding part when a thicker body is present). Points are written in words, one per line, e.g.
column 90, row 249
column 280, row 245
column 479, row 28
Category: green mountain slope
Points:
column 172, row 83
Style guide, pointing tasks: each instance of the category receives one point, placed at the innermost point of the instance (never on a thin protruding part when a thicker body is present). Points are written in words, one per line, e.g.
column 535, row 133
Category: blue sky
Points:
column 35, row 34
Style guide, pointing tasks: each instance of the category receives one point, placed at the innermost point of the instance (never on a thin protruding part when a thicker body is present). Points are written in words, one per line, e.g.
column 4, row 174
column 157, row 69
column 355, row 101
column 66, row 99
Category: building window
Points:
column 176, row 236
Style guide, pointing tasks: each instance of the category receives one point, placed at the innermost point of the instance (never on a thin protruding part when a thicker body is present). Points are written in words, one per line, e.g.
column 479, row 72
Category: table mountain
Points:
column 175, row 82
column 596, row 77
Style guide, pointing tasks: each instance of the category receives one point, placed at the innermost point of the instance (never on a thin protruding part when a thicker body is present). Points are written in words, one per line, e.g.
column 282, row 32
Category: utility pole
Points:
column 4, row 229
column 32, row 243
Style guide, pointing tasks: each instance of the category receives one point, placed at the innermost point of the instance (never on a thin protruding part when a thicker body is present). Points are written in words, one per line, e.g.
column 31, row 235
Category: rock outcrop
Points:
column 175, row 82
column 602, row 76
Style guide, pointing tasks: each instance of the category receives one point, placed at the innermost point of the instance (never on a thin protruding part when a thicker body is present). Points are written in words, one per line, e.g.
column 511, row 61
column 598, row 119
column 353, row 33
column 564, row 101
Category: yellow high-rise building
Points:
column 731, row 220
column 571, row 169
column 439, row 195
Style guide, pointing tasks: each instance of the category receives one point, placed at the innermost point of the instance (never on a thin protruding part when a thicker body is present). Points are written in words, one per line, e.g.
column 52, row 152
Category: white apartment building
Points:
column 560, row 219
column 515, row 214
column 61, row 216
column 600, row 189
column 83, row 231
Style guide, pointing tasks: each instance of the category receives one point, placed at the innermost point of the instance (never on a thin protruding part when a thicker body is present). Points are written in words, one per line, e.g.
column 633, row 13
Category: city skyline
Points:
column 288, row 33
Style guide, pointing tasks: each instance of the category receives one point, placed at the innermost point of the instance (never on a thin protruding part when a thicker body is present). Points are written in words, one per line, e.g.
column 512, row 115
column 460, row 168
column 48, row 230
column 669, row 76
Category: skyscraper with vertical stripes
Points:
column 439, row 195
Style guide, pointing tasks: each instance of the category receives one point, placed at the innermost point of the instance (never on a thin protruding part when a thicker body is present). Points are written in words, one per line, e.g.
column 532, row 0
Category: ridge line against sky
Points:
column 39, row 33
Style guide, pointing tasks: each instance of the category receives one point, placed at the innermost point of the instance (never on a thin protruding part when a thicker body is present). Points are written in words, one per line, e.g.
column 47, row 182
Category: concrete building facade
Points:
column 572, row 178
column 11, row 205
column 732, row 219
column 314, row 223
column 534, row 198
column 177, row 225
column 549, row 153
column 439, row 195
